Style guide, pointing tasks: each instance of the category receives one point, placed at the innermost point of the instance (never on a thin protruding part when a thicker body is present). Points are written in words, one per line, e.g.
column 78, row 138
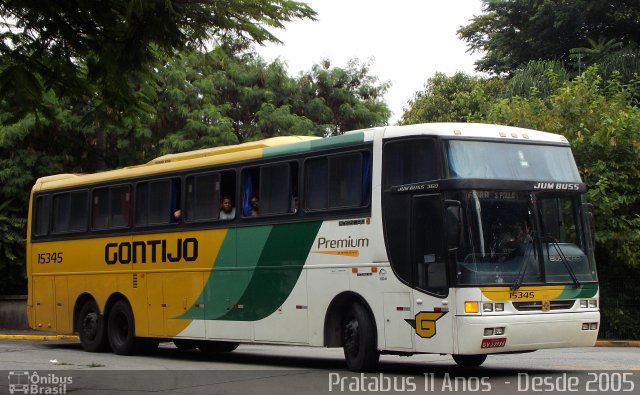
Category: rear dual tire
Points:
column 121, row 332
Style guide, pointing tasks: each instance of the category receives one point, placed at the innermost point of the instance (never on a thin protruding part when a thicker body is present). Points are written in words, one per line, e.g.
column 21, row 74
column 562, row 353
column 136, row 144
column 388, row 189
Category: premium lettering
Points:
column 151, row 251
column 342, row 243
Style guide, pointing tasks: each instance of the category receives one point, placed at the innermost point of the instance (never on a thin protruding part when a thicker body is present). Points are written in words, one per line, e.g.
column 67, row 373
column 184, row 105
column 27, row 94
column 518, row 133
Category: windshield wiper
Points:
column 525, row 262
column 563, row 258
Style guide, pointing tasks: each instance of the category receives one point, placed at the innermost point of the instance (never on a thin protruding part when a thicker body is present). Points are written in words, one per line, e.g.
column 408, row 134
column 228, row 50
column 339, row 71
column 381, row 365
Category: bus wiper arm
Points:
column 563, row 258
column 523, row 269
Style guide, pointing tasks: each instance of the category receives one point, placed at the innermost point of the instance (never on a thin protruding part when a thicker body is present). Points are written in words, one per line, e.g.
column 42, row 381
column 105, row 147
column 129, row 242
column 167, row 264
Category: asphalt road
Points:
column 64, row 367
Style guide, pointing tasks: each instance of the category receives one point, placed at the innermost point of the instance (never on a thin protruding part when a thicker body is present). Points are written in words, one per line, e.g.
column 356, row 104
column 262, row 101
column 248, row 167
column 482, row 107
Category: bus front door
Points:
column 433, row 322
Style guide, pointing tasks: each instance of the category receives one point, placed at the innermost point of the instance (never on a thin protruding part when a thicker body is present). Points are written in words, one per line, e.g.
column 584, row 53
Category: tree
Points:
column 229, row 96
column 458, row 98
column 103, row 50
column 513, row 32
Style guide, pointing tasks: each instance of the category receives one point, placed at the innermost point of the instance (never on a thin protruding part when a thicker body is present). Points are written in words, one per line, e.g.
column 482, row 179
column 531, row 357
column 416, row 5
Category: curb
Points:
column 39, row 337
column 618, row 343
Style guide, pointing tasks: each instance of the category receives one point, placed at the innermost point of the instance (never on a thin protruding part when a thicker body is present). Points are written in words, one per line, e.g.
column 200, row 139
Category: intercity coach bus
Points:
column 461, row 239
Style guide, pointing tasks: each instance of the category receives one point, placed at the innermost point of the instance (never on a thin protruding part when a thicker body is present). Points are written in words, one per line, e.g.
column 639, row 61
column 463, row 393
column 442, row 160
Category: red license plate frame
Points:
column 494, row 342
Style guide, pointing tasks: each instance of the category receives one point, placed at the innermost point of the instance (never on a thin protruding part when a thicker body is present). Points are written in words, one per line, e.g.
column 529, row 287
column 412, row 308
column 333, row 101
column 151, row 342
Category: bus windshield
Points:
column 500, row 161
column 516, row 238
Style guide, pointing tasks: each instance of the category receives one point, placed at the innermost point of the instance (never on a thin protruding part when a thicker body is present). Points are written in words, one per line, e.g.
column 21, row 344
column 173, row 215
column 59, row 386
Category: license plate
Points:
column 494, row 343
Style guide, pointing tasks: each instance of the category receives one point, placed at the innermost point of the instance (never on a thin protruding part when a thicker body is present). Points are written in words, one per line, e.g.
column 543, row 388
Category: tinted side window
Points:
column 70, row 212
column 41, row 216
column 120, row 212
column 158, row 202
column 60, row 213
column 203, row 197
column 270, row 190
column 409, row 161
column 275, row 188
column 100, row 210
column 316, row 184
column 79, row 211
column 339, row 181
column 111, row 207
column 345, row 181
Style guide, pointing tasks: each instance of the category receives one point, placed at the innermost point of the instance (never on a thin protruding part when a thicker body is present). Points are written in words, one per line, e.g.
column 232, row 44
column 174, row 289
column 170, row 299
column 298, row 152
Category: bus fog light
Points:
column 593, row 326
column 585, row 326
column 593, row 303
column 499, row 331
column 470, row 307
column 583, row 304
column 487, row 307
column 499, row 306
column 488, row 331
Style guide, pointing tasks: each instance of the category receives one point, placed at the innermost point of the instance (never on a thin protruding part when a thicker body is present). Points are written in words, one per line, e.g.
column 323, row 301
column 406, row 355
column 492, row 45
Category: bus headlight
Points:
column 593, row 303
column 487, row 307
column 499, row 306
column 583, row 304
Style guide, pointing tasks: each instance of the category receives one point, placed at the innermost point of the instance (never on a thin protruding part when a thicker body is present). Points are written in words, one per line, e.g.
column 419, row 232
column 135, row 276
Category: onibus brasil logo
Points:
column 33, row 383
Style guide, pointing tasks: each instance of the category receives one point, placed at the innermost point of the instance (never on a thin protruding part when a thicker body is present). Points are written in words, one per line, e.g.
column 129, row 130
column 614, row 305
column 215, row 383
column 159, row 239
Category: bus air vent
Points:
column 537, row 305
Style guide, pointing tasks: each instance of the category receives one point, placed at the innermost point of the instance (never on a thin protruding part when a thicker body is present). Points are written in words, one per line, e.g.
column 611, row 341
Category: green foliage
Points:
column 104, row 50
column 12, row 250
column 221, row 98
column 512, row 33
column 451, row 99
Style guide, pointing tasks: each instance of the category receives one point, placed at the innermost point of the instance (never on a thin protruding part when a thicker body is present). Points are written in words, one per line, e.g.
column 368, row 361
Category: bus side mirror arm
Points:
column 453, row 223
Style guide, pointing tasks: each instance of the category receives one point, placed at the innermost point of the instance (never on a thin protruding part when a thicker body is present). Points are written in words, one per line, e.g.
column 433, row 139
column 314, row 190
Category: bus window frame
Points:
column 109, row 226
column 170, row 223
column 367, row 200
column 259, row 167
column 87, row 213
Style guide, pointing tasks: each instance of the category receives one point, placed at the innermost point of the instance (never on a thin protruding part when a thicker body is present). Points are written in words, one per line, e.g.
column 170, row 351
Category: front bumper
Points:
column 526, row 332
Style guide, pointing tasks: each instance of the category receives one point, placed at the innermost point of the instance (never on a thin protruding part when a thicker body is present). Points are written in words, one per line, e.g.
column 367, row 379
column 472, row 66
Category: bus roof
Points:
column 474, row 130
column 292, row 144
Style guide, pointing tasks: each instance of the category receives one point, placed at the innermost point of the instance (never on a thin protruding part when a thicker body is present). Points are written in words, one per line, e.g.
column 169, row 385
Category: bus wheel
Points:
column 470, row 361
column 185, row 344
column 91, row 328
column 121, row 332
column 359, row 340
column 210, row 347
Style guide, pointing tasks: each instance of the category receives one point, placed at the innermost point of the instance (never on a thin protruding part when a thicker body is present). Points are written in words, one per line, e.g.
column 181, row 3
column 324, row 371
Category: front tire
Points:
column 121, row 330
column 470, row 361
column 91, row 328
column 359, row 339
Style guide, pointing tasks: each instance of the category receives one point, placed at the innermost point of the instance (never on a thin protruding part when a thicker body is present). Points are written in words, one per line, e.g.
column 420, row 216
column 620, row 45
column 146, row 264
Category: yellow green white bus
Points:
column 461, row 239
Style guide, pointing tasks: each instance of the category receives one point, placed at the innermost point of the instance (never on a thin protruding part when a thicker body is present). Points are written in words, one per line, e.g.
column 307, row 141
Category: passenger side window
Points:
column 338, row 181
column 409, row 161
column 70, row 212
column 158, row 202
column 270, row 190
column 41, row 216
column 111, row 207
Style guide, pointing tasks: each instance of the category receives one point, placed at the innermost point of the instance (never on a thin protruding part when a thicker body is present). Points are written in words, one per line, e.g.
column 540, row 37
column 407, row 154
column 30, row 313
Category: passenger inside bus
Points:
column 227, row 211
column 255, row 206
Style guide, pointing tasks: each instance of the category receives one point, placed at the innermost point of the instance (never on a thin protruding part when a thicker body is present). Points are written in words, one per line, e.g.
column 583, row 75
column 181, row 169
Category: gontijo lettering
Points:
column 151, row 251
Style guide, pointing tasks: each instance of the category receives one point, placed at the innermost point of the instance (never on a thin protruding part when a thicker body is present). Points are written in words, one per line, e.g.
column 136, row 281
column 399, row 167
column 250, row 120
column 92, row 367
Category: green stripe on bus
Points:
column 314, row 145
column 269, row 266
column 584, row 291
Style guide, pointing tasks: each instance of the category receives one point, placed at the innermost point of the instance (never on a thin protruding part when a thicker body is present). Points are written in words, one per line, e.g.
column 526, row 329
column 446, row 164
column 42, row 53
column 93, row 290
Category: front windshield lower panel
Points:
column 517, row 238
